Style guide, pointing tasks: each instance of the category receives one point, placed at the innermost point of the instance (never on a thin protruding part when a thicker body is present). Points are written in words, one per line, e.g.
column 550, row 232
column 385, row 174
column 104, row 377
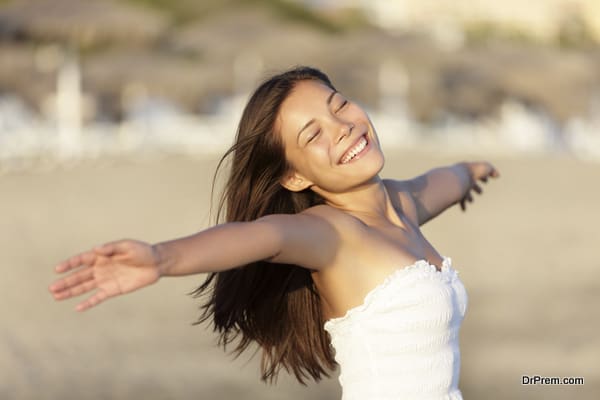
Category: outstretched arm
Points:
column 440, row 188
column 126, row 265
column 302, row 239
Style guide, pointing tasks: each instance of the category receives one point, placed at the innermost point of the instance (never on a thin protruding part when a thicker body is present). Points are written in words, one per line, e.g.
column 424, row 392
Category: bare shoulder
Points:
column 348, row 228
column 400, row 192
column 312, row 238
column 317, row 217
column 339, row 219
column 324, row 211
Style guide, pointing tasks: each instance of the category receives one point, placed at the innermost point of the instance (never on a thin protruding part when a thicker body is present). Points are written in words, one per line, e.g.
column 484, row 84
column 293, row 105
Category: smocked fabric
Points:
column 402, row 342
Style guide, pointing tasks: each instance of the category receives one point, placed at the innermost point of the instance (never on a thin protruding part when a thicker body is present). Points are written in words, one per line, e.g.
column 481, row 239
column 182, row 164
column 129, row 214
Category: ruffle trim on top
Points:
column 421, row 265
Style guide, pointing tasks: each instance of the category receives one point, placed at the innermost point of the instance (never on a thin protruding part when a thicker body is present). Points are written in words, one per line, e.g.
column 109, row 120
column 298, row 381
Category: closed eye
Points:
column 314, row 136
column 342, row 105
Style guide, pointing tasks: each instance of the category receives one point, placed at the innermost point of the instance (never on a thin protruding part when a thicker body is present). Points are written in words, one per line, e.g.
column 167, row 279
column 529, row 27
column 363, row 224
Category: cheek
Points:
column 320, row 155
column 314, row 163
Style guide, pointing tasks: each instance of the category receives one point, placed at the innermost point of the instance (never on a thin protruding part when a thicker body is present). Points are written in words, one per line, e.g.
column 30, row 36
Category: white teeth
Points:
column 355, row 150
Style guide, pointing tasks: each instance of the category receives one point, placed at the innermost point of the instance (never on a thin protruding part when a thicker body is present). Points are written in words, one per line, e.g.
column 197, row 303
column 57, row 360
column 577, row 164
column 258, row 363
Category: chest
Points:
column 374, row 253
column 385, row 247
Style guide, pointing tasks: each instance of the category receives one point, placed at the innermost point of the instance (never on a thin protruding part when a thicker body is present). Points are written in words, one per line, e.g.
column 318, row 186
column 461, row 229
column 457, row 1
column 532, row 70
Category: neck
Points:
column 370, row 202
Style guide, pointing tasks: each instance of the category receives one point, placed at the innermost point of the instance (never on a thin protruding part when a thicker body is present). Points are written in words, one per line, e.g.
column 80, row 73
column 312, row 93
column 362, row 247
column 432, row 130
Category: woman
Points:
column 317, row 253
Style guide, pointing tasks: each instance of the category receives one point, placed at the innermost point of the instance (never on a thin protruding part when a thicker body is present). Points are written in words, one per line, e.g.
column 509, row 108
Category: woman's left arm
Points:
column 440, row 188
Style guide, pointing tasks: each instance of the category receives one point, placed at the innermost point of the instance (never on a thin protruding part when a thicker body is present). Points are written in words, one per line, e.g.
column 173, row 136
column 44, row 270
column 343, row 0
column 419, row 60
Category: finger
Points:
column 469, row 198
column 106, row 249
column 72, row 280
column 462, row 204
column 494, row 173
column 110, row 248
column 82, row 288
column 483, row 179
column 68, row 264
column 92, row 301
column 76, row 261
column 477, row 188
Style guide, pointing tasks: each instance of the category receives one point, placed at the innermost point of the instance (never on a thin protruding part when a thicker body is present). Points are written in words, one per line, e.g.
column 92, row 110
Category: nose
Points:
column 345, row 130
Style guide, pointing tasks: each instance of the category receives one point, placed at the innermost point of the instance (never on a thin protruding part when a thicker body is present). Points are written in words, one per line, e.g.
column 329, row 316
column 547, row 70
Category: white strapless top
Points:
column 402, row 342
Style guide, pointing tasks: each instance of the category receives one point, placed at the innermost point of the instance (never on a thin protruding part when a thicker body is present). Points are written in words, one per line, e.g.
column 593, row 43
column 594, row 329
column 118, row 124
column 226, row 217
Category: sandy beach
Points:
column 526, row 250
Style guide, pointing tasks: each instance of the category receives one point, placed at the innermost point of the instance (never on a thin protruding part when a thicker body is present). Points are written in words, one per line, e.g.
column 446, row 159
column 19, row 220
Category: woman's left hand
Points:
column 478, row 171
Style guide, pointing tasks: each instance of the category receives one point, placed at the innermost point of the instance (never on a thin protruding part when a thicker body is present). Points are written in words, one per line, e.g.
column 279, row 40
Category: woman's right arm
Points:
column 126, row 265
column 302, row 239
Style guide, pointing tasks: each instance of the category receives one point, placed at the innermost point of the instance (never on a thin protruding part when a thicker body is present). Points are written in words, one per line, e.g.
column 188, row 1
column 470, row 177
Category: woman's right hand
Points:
column 112, row 269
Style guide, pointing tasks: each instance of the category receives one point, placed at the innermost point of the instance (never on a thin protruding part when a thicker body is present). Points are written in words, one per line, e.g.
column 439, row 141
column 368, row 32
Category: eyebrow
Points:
column 329, row 99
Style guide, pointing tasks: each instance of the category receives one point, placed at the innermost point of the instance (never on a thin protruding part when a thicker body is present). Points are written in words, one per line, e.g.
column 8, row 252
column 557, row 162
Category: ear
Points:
column 295, row 182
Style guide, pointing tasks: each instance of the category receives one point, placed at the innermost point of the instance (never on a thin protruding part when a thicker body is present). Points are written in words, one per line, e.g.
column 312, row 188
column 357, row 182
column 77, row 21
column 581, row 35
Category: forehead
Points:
column 304, row 102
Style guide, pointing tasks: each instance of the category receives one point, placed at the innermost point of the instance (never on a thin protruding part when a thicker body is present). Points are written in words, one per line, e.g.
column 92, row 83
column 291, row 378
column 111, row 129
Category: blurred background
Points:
column 113, row 114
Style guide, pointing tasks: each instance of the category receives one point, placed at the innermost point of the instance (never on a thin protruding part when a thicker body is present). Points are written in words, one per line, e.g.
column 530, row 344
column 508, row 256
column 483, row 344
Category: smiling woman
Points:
column 318, row 259
column 325, row 149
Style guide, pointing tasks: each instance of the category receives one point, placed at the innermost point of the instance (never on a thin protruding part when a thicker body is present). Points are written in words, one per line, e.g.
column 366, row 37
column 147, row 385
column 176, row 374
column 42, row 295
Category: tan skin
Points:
column 368, row 227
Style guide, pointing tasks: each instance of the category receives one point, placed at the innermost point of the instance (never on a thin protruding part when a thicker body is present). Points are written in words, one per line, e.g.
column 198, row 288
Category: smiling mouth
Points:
column 356, row 151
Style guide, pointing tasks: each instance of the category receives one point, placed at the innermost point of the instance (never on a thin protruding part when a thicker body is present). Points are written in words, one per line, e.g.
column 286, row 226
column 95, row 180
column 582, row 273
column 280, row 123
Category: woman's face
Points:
column 328, row 139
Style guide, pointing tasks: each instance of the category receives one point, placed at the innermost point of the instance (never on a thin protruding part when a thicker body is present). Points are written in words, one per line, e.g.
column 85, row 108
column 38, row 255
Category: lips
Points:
column 352, row 146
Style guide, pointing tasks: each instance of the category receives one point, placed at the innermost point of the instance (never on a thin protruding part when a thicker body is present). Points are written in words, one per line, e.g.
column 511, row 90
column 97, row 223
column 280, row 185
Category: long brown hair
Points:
column 274, row 305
